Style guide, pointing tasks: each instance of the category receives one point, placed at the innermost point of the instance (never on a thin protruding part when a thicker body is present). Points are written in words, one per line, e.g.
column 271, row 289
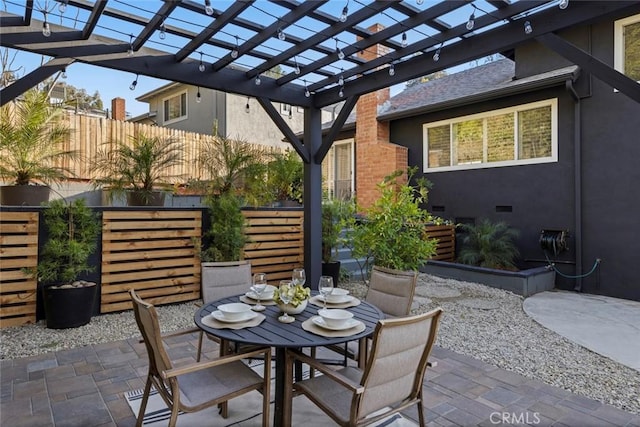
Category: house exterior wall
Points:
column 542, row 196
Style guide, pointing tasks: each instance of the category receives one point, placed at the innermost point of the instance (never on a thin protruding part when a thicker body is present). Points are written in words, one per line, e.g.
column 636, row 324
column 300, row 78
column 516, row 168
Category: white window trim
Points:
column 618, row 41
column 554, row 138
column 186, row 106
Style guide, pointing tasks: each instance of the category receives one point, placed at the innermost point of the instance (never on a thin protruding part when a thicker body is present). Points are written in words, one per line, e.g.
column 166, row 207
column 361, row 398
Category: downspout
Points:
column 577, row 159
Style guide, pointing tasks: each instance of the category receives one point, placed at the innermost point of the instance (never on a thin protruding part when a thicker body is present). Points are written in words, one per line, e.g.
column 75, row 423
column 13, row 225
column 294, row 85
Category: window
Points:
column 627, row 47
column 517, row 135
column 175, row 108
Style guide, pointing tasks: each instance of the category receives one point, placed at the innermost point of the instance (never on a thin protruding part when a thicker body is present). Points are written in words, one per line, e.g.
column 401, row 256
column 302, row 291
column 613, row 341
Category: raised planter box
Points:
column 524, row 282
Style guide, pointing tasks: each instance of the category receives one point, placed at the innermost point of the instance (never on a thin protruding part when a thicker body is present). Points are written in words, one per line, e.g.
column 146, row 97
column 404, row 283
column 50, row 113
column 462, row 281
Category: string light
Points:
column 258, row 81
column 436, row 56
column 290, row 112
column 234, row 52
column 339, row 51
column 307, row 94
column 392, row 69
column 207, row 7
column 281, row 35
column 64, row 73
column 404, row 40
column 528, row 29
column 130, row 51
column 563, row 4
column 198, row 96
column 163, row 33
column 419, row 2
column 201, row 66
column 472, row 19
column 62, row 7
column 247, row 108
column 297, row 69
column 341, row 78
column 345, row 13
column 134, row 83
column 46, row 29
column 341, row 93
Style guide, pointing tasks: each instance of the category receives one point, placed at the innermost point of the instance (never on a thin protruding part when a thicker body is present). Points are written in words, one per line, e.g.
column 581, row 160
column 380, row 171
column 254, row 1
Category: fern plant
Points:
column 489, row 244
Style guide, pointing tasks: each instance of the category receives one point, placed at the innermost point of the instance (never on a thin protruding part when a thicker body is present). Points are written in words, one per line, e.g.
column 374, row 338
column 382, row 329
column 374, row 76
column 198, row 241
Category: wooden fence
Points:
column 18, row 250
column 446, row 237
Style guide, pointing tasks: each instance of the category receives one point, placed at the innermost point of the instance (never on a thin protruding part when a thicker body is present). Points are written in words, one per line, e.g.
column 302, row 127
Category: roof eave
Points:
column 484, row 96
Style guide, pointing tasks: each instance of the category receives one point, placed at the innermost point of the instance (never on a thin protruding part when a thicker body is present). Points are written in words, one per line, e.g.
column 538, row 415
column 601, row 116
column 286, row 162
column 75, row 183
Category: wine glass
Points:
column 259, row 285
column 325, row 287
column 285, row 296
column 298, row 277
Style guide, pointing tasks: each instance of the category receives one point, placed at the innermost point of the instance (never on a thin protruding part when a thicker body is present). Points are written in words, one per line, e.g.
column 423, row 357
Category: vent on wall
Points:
column 504, row 208
column 437, row 208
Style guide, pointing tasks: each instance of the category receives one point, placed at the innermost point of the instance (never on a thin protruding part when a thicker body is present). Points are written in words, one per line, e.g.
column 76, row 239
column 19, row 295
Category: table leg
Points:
column 283, row 396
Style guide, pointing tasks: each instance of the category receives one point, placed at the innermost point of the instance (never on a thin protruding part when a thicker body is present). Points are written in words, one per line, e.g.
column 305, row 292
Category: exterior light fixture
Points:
column 341, row 78
column 64, row 73
column 46, row 29
column 563, row 4
column 419, row 2
column 163, row 31
column 341, row 93
column 436, row 56
column 134, row 83
column 345, row 13
column 247, row 108
column 201, row 66
column 404, row 40
column 528, row 29
column 392, row 69
column 130, row 52
column 307, row 94
column 198, row 96
column 62, row 7
column 207, row 7
column 472, row 19
column 281, row 35
column 234, row 52
column 258, row 81
column 297, row 68
column 339, row 51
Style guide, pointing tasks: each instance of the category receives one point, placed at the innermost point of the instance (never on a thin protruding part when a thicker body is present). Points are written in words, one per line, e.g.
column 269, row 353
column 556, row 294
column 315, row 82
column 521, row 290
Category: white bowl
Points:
column 267, row 294
column 234, row 310
column 335, row 317
column 337, row 295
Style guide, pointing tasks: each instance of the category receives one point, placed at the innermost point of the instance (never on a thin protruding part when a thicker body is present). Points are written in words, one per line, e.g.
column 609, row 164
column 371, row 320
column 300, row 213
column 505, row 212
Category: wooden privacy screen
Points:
column 446, row 237
column 276, row 242
column 153, row 252
column 18, row 250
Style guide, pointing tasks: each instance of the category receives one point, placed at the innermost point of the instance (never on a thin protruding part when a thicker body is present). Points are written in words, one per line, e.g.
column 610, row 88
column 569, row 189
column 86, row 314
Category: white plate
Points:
column 339, row 299
column 351, row 323
column 264, row 297
column 220, row 317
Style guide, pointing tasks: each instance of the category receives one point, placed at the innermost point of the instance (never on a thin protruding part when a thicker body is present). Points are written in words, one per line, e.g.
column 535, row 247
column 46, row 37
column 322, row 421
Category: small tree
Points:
column 489, row 244
column 392, row 234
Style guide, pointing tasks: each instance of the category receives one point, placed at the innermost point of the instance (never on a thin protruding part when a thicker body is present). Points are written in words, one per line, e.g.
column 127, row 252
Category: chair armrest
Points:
column 176, row 334
column 334, row 375
column 194, row 367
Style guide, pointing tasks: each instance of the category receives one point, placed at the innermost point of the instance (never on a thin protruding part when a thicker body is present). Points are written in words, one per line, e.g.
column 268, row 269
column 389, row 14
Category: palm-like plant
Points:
column 31, row 141
column 489, row 244
column 142, row 165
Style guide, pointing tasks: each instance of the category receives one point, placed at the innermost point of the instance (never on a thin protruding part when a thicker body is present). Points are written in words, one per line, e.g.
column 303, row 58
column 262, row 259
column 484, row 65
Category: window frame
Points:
column 185, row 114
column 618, row 41
column 552, row 102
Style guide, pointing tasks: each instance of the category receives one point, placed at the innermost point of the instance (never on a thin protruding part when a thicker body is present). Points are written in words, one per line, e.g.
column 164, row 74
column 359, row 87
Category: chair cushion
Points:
column 209, row 384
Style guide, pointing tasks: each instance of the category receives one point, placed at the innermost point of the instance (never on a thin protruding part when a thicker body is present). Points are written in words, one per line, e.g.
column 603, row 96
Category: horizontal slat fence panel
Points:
column 276, row 242
column 446, row 237
column 18, row 250
column 153, row 252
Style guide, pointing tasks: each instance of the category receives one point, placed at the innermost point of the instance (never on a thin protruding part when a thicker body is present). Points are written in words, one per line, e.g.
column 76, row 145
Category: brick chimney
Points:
column 118, row 111
column 376, row 156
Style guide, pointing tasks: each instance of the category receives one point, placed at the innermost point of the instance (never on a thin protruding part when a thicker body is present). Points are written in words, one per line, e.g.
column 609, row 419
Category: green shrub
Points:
column 489, row 244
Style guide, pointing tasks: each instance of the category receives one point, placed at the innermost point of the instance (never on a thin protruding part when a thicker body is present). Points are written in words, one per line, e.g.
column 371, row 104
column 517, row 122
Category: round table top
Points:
column 287, row 335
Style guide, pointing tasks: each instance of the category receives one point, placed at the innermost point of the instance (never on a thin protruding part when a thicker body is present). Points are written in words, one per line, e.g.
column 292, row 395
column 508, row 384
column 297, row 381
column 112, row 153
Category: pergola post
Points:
column 313, row 197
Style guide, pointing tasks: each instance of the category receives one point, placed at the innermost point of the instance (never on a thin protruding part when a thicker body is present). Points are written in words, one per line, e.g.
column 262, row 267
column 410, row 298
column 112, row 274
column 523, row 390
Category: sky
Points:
column 111, row 84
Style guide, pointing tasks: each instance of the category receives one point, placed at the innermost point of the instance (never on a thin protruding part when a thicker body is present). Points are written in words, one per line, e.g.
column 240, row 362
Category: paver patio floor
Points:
column 85, row 387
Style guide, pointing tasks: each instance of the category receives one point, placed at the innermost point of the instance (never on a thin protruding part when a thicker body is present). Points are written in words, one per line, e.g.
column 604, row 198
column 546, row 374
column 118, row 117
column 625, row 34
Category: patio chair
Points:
column 196, row 386
column 391, row 380
column 220, row 281
column 392, row 292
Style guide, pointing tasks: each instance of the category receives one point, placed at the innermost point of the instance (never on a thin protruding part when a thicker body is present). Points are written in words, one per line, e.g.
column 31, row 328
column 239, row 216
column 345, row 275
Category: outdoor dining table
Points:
column 282, row 336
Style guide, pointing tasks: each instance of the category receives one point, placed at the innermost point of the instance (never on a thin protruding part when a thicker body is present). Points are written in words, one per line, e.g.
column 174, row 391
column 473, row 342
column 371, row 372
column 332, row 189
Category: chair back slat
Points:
column 397, row 361
column 219, row 282
column 392, row 290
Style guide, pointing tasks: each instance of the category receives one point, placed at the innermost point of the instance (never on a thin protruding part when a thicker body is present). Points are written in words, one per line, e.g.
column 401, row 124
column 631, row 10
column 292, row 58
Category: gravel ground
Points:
column 485, row 323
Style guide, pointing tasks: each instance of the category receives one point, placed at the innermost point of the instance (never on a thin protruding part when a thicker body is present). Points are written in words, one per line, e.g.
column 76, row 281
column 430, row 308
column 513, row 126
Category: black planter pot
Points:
column 332, row 269
column 24, row 195
column 139, row 198
column 69, row 307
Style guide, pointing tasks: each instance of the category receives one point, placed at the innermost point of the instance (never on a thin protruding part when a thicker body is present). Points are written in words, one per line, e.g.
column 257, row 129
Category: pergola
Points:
column 303, row 53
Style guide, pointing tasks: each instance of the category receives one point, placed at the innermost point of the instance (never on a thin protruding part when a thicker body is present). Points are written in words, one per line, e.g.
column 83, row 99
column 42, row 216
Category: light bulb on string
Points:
column 163, row 31
column 297, row 68
column 341, row 78
column 281, row 35
column 341, row 93
column 419, row 2
column 404, row 40
column 62, row 7
column 130, row 51
column 290, row 113
column 307, row 94
column 201, row 66
column 528, row 29
column 345, row 13
column 46, row 29
column 563, row 4
column 134, row 83
column 258, row 81
column 247, row 108
column 436, row 56
column 392, row 70
column 198, row 96
column 234, row 52
column 64, row 73
column 207, row 7
column 472, row 20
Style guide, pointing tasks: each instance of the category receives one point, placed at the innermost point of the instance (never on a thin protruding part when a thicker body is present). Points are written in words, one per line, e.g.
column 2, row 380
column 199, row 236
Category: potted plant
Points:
column 32, row 153
column 392, row 234
column 335, row 216
column 139, row 169
column 73, row 230
column 285, row 178
column 299, row 298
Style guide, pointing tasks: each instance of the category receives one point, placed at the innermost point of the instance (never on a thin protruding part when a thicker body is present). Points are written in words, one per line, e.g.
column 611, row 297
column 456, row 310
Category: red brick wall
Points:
column 376, row 157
